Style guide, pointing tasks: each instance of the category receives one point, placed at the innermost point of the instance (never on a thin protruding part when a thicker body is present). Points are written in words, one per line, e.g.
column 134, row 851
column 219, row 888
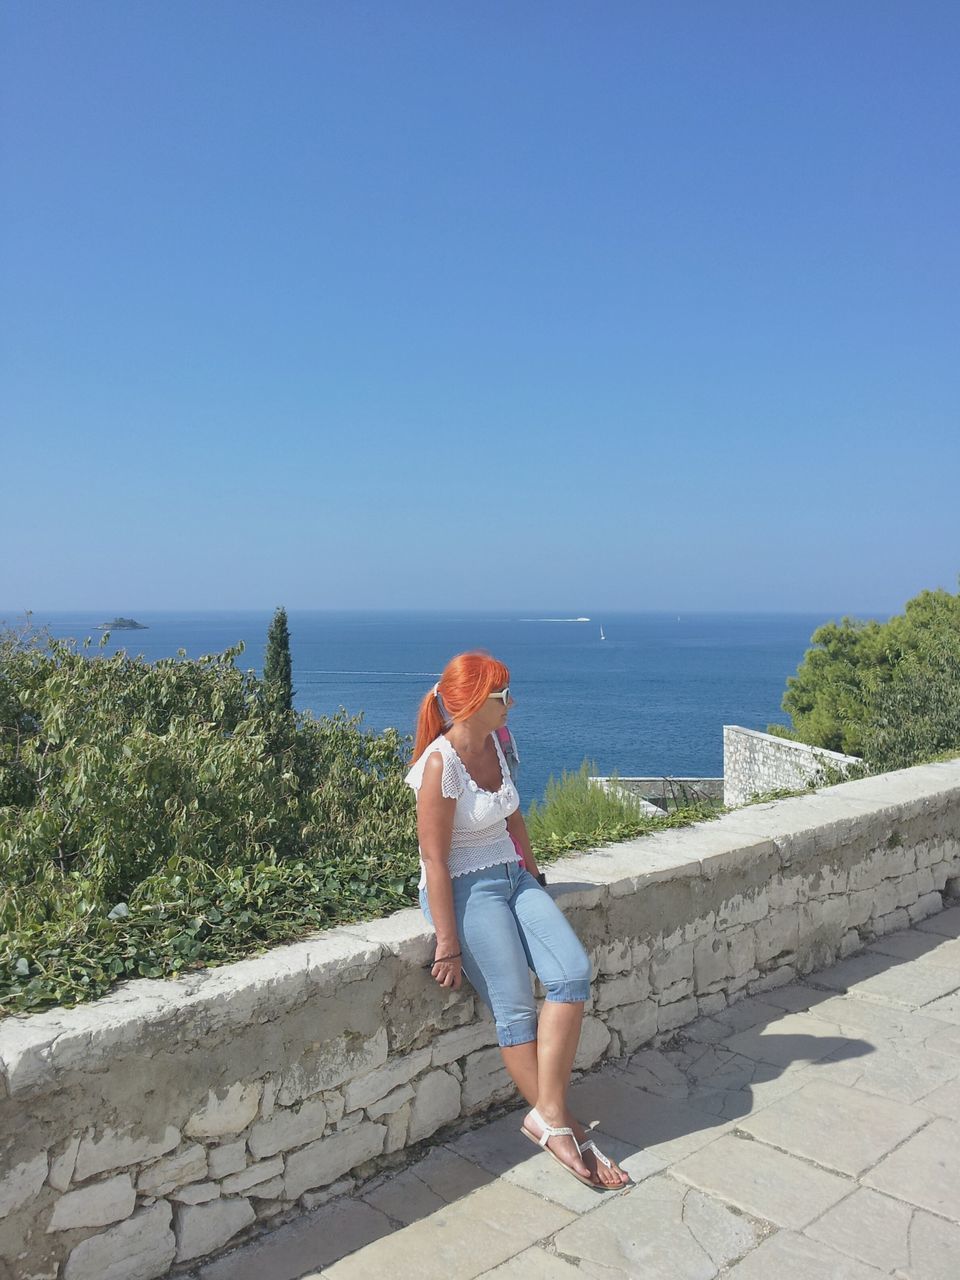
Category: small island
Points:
column 122, row 624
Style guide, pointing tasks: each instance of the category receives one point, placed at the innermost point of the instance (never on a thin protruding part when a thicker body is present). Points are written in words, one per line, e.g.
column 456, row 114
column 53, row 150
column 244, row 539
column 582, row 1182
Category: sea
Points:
column 648, row 699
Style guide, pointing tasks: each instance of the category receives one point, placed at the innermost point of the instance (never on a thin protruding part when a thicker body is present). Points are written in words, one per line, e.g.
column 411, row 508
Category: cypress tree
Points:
column 277, row 667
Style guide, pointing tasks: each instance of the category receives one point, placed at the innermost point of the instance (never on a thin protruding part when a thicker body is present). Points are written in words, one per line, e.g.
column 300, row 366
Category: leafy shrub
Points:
column 577, row 814
column 158, row 816
column 889, row 692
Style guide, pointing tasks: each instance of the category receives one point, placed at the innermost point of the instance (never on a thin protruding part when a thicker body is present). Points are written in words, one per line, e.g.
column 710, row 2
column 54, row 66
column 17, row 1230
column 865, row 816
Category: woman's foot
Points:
column 602, row 1174
column 562, row 1146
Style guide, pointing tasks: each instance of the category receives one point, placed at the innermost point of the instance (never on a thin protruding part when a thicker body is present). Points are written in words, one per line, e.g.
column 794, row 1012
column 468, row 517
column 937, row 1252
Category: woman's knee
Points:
column 573, row 984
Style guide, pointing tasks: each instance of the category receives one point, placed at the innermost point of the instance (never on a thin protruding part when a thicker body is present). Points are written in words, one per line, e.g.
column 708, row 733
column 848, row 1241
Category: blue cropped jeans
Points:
column 507, row 925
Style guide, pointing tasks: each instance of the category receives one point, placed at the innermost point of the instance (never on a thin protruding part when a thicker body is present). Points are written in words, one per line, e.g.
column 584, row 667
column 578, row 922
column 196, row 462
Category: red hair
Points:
column 466, row 683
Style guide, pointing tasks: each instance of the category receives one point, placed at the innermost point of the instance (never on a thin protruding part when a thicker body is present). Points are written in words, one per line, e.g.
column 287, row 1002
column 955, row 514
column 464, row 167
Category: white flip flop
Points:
column 549, row 1131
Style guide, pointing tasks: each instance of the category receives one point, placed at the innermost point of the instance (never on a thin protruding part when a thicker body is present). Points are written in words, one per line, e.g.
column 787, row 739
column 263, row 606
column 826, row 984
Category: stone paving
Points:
column 809, row 1132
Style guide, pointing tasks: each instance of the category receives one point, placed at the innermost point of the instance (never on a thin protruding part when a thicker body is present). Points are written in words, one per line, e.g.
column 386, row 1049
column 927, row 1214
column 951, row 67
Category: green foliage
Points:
column 888, row 692
column 577, row 814
column 277, row 665
column 151, row 818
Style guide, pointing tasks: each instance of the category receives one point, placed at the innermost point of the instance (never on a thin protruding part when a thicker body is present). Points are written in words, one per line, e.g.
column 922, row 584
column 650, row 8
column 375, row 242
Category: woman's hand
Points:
column 447, row 969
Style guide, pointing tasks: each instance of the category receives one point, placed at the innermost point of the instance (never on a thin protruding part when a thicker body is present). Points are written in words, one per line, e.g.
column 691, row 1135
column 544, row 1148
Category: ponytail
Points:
column 467, row 681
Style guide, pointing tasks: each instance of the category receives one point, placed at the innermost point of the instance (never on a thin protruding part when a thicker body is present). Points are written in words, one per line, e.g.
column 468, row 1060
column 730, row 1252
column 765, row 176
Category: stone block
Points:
column 670, row 966
column 928, row 905
column 97, row 1205
column 142, row 1248
column 437, row 1102
column 707, row 1006
column 397, row 1126
column 203, row 1228
column 287, row 1129
column 335, row 1061
column 628, row 989
column 884, row 900
column 594, row 1042
column 119, row 1150
column 778, row 933
column 741, row 951
column 850, row 943
column 613, row 958
column 485, row 1080
column 252, row 1176
column 271, row 1087
column 671, row 1016
column 908, row 889
column 924, row 882
column 271, row 1190
column 225, row 1113
column 63, row 1165
column 392, row 1102
column 455, row 1044
column 22, row 1183
column 161, row 1178
column 859, row 907
column 330, row 1158
column 196, row 1193
column 710, row 963
column 866, row 874
column 377, row 1084
column 743, row 908
column 634, row 1024
column 894, row 922
column 229, row 1158
column 780, row 977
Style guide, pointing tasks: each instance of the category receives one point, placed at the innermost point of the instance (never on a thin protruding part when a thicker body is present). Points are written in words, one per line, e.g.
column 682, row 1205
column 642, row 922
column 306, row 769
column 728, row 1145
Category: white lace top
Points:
column 480, row 837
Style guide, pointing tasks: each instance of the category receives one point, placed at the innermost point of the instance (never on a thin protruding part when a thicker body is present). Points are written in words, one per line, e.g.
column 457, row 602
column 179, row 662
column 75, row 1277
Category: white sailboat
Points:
column 602, row 636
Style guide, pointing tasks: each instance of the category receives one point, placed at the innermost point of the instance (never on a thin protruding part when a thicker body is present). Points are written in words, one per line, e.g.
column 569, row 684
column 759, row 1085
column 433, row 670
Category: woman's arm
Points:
column 435, row 813
column 518, row 829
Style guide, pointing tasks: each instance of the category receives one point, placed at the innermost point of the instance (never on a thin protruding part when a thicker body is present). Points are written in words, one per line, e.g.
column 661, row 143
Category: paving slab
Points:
column 661, row 1229
column 501, row 1149
column 403, row 1198
column 933, row 948
column 464, row 1239
column 946, row 923
column 853, row 1017
column 658, row 1127
column 449, row 1175
column 944, row 1101
column 946, row 1009
column 535, row 1264
column 925, row 1170
column 793, row 1039
column 891, row 1235
column 903, row 1073
column 789, row 1256
column 836, row 1127
column 762, row 1181
column 911, row 985
column 307, row 1244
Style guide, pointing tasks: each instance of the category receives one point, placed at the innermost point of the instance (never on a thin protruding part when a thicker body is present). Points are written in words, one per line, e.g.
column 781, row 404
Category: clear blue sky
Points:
column 537, row 305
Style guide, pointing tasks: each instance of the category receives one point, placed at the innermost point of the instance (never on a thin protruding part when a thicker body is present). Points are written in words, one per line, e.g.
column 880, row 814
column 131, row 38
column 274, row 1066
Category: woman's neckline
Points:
column 500, row 761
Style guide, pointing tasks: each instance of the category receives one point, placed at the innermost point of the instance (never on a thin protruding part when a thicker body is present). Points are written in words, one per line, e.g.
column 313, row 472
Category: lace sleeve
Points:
column 451, row 782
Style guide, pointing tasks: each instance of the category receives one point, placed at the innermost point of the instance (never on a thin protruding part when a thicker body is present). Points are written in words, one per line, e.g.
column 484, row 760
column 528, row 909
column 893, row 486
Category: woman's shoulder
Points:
column 440, row 758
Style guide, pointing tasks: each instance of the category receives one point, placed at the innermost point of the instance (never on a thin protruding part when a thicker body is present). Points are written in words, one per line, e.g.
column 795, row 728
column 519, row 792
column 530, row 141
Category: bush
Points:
column 159, row 816
column 578, row 814
column 889, row 692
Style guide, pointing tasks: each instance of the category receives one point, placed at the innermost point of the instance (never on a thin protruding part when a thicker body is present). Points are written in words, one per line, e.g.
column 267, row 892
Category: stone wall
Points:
column 755, row 764
column 660, row 793
column 171, row 1119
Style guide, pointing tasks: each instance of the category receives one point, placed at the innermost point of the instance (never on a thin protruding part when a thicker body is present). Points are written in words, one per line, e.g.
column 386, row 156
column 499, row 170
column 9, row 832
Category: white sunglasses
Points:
column 502, row 694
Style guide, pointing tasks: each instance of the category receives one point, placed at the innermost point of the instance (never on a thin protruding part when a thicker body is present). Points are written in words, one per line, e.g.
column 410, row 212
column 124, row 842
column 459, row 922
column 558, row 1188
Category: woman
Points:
column 493, row 920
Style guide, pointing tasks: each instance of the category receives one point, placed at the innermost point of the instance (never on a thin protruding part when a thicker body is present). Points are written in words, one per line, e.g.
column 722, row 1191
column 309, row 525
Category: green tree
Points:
column 884, row 691
column 277, row 666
